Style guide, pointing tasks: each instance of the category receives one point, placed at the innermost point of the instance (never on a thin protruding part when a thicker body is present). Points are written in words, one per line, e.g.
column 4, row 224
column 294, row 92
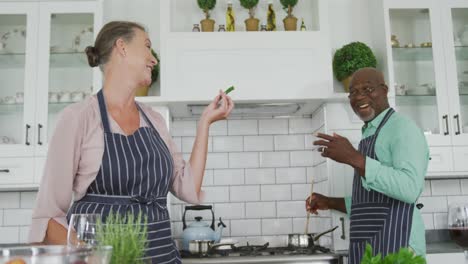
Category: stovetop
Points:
column 257, row 250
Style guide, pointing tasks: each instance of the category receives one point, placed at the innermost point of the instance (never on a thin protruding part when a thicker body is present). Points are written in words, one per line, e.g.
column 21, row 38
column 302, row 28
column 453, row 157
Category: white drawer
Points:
column 460, row 158
column 441, row 159
column 16, row 171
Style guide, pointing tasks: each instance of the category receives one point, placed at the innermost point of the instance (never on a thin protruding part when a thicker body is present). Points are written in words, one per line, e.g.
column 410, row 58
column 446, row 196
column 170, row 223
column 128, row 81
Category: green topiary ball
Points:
column 287, row 3
column 206, row 4
column 352, row 57
column 248, row 3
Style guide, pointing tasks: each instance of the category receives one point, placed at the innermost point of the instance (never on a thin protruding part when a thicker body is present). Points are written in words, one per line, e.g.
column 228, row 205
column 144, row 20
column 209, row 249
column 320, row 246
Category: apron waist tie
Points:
column 160, row 202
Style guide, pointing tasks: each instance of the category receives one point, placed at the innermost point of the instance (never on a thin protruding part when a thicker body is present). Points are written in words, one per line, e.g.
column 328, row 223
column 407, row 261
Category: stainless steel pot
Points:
column 306, row 240
column 200, row 247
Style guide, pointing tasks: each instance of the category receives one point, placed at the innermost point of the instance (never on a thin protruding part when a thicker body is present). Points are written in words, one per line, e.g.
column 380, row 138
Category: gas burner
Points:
column 250, row 250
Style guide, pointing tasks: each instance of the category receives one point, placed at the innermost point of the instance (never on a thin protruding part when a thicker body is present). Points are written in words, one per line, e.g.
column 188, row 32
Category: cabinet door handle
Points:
column 343, row 236
column 457, row 118
column 5, row 171
column 39, row 142
column 27, row 134
column 445, row 117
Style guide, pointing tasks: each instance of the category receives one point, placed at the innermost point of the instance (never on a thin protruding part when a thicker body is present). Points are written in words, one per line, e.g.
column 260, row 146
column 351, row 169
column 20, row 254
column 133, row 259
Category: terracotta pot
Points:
column 207, row 25
column 251, row 24
column 346, row 83
column 143, row 91
column 290, row 23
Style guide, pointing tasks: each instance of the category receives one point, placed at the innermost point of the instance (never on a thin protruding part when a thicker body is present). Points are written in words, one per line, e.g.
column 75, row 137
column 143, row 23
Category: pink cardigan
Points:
column 74, row 157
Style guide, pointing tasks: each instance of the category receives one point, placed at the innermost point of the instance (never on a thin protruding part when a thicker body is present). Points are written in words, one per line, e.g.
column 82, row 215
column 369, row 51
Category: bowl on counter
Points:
column 55, row 255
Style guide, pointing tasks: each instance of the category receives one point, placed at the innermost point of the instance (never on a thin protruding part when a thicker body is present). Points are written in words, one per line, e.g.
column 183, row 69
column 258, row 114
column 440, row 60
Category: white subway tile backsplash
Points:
column 300, row 192
column 183, row 128
column 242, row 127
column 274, row 159
column 243, row 160
column 177, row 229
column 278, row 192
column 218, row 194
column 289, row 142
column 428, row 221
column 178, row 143
column 250, row 227
column 281, row 226
column 309, row 141
column 464, row 186
column 228, row 177
column 187, row 144
column 23, row 234
column 10, row 234
column 10, row 200
column 208, row 178
column 217, row 161
column 176, row 212
column 446, row 187
column 316, row 224
column 291, row 175
column 302, row 158
column 260, row 210
column 260, row 176
column 273, row 126
column 245, row 193
column 441, row 221
column 218, row 128
column 17, row 217
column 258, row 143
column 436, row 204
column 230, row 210
column 27, row 199
column 456, row 200
column 228, row 144
column 300, row 126
column 291, row 209
column 427, row 188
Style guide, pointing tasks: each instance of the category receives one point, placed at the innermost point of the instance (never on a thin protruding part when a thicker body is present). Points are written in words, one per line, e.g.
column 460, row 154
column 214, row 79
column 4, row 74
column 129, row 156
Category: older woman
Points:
column 115, row 154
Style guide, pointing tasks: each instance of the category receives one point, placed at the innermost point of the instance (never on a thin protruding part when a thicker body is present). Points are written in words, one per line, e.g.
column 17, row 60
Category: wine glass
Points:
column 82, row 230
column 458, row 224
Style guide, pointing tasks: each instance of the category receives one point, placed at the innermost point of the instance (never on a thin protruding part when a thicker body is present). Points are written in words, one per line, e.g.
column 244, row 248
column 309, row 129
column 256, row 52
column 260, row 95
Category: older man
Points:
column 390, row 166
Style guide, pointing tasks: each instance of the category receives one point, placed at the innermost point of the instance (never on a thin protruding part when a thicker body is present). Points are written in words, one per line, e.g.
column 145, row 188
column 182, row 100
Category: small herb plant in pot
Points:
column 251, row 24
column 126, row 234
column 290, row 22
column 143, row 91
column 207, row 24
column 349, row 59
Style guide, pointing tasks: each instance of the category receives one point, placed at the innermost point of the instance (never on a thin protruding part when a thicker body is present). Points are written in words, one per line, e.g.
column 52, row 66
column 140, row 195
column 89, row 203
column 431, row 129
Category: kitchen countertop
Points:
column 297, row 259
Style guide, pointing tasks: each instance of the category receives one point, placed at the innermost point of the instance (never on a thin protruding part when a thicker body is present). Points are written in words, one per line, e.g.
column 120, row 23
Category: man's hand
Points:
column 339, row 149
column 317, row 202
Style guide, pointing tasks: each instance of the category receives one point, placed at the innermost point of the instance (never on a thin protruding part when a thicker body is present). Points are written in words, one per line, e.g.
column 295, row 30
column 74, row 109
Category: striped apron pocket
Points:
column 368, row 221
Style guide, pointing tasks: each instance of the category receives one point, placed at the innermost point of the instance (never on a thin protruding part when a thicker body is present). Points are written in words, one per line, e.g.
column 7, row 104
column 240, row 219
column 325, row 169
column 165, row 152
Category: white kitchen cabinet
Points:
column 43, row 68
column 452, row 258
column 426, row 72
column 263, row 66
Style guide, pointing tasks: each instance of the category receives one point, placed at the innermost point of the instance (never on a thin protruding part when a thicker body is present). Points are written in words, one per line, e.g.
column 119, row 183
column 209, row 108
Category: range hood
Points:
column 255, row 109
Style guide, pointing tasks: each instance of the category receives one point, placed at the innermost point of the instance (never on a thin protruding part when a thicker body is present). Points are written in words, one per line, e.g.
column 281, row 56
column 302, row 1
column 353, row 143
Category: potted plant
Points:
column 207, row 24
column 350, row 58
column 290, row 22
column 143, row 91
column 126, row 235
column 251, row 24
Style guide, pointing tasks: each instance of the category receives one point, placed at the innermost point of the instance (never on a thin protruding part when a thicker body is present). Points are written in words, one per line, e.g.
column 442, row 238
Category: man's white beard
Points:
column 369, row 117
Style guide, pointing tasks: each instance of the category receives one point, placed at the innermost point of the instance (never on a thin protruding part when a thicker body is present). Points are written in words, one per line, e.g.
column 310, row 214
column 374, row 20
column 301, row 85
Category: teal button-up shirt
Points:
column 399, row 173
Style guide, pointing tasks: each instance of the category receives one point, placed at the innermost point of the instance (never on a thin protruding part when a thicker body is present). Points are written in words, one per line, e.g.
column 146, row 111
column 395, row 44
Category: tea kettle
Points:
column 200, row 230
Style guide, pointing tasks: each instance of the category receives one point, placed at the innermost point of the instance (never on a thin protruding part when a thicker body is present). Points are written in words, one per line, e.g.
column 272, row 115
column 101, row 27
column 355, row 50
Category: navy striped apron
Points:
column 381, row 221
column 135, row 176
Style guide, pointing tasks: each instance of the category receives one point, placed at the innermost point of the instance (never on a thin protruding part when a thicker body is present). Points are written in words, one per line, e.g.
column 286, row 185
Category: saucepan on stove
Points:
column 306, row 240
column 200, row 247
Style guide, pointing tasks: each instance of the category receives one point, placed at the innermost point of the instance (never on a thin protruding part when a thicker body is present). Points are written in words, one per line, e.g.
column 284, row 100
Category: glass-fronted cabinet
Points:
column 64, row 75
column 418, row 73
column 43, row 68
column 455, row 16
column 18, row 33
